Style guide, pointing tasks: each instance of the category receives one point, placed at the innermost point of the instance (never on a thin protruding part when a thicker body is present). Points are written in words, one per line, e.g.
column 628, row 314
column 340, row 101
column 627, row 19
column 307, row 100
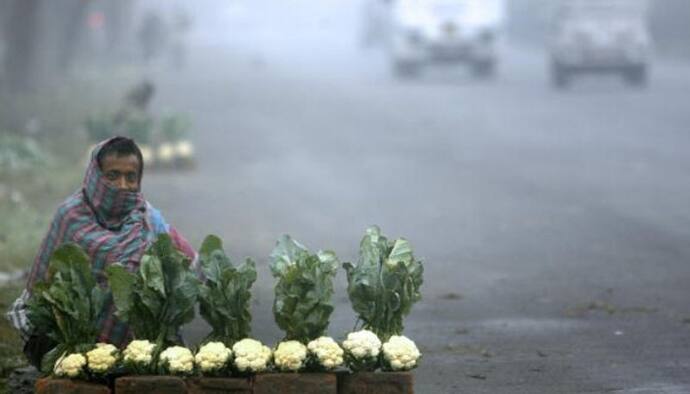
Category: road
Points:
column 554, row 226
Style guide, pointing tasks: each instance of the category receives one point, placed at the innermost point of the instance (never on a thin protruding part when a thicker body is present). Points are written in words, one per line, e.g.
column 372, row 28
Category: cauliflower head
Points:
column 290, row 356
column 177, row 359
column 362, row 349
column 139, row 352
column 251, row 355
column 166, row 152
column 362, row 344
column 184, row 149
column 212, row 356
column 400, row 353
column 102, row 358
column 70, row 366
column 327, row 352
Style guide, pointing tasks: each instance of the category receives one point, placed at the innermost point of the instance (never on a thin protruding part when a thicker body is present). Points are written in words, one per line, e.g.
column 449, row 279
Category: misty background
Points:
column 553, row 222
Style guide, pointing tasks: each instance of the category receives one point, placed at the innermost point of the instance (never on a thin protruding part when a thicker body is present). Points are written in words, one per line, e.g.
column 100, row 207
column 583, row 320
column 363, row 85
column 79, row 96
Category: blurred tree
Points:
column 21, row 31
column 118, row 23
column 73, row 16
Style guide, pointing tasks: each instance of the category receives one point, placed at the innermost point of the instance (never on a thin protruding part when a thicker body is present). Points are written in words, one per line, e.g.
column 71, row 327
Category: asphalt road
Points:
column 554, row 226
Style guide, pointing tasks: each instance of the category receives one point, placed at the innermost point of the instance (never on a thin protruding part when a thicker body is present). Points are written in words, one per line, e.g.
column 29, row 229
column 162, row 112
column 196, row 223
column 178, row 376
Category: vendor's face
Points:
column 121, row 172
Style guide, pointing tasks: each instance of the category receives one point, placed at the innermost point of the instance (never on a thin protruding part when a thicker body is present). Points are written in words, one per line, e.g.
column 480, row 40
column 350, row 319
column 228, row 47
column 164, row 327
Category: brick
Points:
column 376, row 383
column 219, row 386
column 150, row 385
column 61, row 386
column 295, row 383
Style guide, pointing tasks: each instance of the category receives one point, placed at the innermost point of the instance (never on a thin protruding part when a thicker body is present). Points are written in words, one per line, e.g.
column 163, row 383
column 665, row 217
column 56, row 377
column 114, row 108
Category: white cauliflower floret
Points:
column 362, row 344
column 70, row 366
column 327, row 352
column 290, row 356
column 102, row 358
column 251, row 355
column 139, row 352
column 147, row 154
column 177, row 359
column 212, row 356
column 401, row 353
column 184, row 149
column 166, row 152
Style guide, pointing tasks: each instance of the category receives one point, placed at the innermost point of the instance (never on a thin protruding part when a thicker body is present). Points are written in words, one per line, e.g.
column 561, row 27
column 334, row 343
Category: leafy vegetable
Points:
column 302, row 305
column 159, row 297
column 174, row 127
column 225, row 297
column 384, row 284
column 67, row 306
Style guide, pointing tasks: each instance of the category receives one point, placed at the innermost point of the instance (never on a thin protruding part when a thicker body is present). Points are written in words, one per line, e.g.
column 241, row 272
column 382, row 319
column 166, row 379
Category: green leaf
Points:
column 225, row 297
column 67, row 306
column 122, row 286
column 160, row 296
column 302, row 304
column 385, row 283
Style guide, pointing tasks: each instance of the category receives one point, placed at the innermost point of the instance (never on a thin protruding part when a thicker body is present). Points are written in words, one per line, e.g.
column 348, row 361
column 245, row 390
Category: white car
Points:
column 423, row 32
column 603, row 36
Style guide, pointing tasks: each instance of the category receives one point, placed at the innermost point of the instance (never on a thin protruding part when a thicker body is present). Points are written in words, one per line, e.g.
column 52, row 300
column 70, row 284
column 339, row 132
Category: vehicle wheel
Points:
column 484, row 69
column 637, row 76
column 405, row 69
column 560, row 77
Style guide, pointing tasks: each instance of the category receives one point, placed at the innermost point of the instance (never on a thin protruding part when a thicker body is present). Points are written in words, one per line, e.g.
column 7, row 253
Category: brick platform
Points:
column 295, row 383
column 150, row 385
column 376, row 383
column 67, row 386
column 219, row 386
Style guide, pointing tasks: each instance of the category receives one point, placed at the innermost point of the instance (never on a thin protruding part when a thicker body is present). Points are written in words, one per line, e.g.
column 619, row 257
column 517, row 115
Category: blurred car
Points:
column 424, row 32
column 600, row 36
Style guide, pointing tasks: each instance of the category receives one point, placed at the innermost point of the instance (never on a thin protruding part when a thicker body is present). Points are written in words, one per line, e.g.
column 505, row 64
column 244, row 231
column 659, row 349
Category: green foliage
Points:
column 174, row 127
column 20, row 153
column 139, row 127
column 384, row 284
column 302, row 305
column 66, row 307
column 136, row 125
column 100, row 127
column 225, row 297
column 159, row 297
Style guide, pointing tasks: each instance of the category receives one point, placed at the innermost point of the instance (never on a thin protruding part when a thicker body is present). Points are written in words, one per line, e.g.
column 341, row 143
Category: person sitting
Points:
column 111, row 221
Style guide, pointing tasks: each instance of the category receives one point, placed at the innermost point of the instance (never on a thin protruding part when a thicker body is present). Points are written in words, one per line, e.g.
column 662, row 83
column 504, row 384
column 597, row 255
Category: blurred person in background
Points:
column 111, row 221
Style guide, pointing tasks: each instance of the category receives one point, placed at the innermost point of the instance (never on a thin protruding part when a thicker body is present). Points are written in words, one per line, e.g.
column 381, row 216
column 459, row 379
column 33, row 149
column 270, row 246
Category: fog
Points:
column 536, row 158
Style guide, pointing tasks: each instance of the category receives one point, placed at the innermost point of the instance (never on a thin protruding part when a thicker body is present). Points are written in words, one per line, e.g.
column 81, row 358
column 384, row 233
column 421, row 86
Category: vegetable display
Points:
column 384, row 284
column 158, row 298
column 66, row 307
column 302, row 305
column 224, row 298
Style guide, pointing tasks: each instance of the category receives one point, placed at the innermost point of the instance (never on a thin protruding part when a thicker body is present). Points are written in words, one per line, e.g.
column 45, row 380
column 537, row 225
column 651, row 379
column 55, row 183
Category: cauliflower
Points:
column 326, row 352
column 184, row 149
column 166, row 152
column 251, row 355
column 362, row 349
column 139, row 352
column 102, row 358
column 147, row 154
column 70, row 366
column 213, row 356
column 400, row 353
column 290, row 356
column 177, row 360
